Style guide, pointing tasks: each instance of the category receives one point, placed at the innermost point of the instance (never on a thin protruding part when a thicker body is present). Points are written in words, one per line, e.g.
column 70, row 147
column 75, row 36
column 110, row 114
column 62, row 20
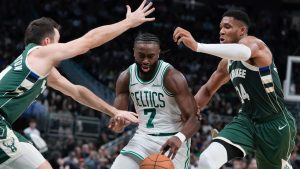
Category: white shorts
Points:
column 18, row 155
column 143, row 145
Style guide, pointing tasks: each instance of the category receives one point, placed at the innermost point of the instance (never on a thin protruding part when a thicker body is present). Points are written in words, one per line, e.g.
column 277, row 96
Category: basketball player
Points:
column 23, row 81
column 263, row 126
column 165, row 106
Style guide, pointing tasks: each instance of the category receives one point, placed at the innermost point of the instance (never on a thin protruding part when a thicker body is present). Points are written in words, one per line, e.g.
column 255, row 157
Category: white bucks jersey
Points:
column 157, row 108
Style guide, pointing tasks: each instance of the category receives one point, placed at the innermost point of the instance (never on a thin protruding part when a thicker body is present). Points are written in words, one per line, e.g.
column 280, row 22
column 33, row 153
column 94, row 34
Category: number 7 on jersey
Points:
column 152, row 115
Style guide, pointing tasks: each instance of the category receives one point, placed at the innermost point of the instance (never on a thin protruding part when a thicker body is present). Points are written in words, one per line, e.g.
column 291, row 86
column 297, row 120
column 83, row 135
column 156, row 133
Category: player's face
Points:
column 146, row 56
column 231, row 30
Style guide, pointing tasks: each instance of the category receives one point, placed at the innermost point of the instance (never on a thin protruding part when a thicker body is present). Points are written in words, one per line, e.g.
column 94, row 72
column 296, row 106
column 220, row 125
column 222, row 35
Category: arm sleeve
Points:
column 226, row 51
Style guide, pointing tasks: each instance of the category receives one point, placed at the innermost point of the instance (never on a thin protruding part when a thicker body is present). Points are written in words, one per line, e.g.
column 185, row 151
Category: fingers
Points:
column 147, row 7
column 131, row 118
column 110, row 125
column 179, row 32
column 180, row 40
column 138, row 17
column 117, row 124
column 172, row 152
column 134, row 117
column 142, row 4
column 149, row 19
column 134, row 114
column 164, row 148
column 149, row 12
column 175, row 34
column 120, row 121
column 126, row 115
column 128, row 9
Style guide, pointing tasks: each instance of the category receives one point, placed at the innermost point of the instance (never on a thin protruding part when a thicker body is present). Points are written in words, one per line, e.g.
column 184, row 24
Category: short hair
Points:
column 146, row 38
column 40, row 28
column 239, row 15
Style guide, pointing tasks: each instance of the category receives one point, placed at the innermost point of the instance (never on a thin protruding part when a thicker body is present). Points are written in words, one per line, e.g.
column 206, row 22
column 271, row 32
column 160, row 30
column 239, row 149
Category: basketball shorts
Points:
column 272, row 141
column 143, row 145
column 15, row 151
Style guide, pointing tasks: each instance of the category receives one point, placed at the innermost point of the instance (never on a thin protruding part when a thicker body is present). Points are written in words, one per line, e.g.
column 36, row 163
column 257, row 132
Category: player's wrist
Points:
column 114, row 112
column 195, row 46
column 198, row 49
column 181, row 136
column 128, row 22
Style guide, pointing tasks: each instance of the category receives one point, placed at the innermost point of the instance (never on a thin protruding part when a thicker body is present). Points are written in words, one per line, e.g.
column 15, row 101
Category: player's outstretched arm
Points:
column 232, row 51
column 175, row 83
column 53, row 53
column 86, row 97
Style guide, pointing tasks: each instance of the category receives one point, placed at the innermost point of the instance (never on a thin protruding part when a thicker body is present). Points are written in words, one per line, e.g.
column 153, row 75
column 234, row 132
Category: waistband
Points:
column 163, row 134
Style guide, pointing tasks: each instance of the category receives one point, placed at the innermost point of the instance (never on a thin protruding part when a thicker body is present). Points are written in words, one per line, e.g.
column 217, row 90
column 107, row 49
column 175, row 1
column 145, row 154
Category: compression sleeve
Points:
column 227, row 51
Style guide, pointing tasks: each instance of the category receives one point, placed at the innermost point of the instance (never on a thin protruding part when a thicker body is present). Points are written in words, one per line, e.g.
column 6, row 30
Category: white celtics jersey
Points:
column 157, row 108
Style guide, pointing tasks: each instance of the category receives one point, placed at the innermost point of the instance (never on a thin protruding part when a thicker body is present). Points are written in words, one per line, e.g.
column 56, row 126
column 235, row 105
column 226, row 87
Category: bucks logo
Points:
column 285, row 165
column 10, row 144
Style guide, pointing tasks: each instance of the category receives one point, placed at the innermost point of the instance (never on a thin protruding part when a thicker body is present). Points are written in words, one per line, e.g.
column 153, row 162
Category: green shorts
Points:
column 271, row 141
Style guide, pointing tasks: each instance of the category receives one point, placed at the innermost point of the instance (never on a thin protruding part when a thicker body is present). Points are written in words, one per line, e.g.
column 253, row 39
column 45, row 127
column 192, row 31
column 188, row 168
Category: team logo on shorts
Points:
column 10, row 144
column 285, row 164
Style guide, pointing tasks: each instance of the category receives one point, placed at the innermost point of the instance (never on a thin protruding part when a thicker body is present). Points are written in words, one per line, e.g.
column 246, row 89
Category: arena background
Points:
column 77, row 137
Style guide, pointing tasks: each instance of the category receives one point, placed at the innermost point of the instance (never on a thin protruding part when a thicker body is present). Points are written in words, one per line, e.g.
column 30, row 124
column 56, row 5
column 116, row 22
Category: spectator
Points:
column 32, row 128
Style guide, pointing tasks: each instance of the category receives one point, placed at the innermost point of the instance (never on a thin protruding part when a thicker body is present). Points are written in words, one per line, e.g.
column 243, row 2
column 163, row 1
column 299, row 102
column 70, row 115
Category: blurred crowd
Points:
column 275, row 25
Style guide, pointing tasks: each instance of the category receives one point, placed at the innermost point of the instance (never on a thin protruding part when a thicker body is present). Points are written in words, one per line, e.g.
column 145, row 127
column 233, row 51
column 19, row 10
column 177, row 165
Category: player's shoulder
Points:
column 124, row 75
column 251, row 40
column 169, row 69
column 172, row 74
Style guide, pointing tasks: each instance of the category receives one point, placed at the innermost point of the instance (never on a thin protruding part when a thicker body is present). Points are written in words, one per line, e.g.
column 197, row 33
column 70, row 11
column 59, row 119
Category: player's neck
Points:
column 149, row 75
column 146, row 76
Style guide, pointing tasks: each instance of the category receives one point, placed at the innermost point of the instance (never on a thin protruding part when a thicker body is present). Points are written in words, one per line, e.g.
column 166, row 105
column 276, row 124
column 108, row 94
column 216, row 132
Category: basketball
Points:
column 157, row 161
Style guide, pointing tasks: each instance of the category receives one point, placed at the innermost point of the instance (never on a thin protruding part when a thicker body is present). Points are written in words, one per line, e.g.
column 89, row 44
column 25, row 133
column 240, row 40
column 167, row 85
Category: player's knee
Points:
column 205, row 162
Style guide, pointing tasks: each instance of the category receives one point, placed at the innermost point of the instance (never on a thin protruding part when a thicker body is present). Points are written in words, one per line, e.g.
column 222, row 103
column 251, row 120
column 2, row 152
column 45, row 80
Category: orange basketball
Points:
column 157, row 161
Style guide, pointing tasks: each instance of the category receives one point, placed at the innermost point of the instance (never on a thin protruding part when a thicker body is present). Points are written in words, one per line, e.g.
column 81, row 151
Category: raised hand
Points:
column 181, row 35
column 138, row 17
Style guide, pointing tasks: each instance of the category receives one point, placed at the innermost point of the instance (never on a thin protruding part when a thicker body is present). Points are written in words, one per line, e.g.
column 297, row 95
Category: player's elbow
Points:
column 207, row 92
column 76, row 92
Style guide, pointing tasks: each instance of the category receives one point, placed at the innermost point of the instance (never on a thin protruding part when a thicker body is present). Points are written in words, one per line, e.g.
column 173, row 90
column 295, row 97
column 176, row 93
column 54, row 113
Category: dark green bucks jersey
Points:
column 19, row 86
column 259, row 89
